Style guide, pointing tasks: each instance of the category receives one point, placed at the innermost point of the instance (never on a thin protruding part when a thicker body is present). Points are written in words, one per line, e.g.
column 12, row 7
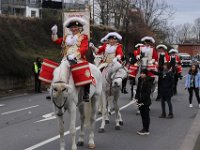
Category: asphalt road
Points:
column 26, row 124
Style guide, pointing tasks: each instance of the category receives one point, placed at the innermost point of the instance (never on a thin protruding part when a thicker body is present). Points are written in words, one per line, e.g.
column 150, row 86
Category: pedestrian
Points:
column 142, row 96
column 163, row 57
column 192, row 83
column 36, row 70
column 166, row 89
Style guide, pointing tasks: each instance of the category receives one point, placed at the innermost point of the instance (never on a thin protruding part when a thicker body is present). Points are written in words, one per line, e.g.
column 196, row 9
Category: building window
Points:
column 33, row 13
column 32, row 1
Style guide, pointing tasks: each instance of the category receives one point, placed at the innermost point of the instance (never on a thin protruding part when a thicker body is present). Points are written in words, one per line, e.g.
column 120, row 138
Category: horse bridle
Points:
column 65, row 100
column 113, row 78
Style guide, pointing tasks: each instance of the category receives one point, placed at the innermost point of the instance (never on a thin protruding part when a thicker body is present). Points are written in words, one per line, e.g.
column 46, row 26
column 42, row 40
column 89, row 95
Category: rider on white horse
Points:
column 111, row 50
column 74, row 46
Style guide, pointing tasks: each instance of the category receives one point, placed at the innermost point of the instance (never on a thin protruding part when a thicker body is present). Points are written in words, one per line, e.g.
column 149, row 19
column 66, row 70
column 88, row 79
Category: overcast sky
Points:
column 186, row 10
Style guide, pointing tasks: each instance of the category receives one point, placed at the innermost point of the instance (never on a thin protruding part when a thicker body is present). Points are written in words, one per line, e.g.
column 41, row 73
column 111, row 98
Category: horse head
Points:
column 59, row 95
column 118, row 73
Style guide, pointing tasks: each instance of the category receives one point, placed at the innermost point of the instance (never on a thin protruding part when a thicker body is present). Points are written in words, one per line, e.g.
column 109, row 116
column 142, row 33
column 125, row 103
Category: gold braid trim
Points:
column 66, row 47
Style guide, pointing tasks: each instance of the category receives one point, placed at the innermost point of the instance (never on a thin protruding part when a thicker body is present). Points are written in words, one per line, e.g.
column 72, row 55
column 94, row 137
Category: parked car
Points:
column 186, row 59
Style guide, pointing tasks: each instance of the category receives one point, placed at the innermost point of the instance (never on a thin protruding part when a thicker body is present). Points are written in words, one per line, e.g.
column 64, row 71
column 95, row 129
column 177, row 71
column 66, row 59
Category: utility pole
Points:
column 93, row 11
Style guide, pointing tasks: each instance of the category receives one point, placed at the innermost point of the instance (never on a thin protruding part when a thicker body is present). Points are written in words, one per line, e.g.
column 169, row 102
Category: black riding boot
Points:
column 86, row 92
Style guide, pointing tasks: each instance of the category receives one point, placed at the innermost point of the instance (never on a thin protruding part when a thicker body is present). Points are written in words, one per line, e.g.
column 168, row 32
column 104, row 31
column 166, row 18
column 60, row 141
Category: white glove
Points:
column 115, row 59
column 91, row 45
column 138, row 57
column 54, row 29
column 71, row 57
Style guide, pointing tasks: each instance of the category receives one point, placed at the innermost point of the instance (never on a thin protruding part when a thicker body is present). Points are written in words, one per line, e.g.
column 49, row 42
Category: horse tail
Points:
column 87, row 113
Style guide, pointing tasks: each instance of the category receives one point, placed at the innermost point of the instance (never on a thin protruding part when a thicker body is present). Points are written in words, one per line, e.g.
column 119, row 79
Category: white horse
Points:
column 113, row 75
column 66, row 96
column 97, row 59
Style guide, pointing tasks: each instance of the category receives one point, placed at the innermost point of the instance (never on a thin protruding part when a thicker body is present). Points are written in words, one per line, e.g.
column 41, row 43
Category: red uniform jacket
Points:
column 117, row 52
column 82, row 48
column 154, row 55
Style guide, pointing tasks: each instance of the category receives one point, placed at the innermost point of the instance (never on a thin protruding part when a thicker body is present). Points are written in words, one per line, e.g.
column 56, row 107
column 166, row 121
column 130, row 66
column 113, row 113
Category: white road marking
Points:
column 13, row 111
column 46, row 117
column 1, row 105
column 67, row 132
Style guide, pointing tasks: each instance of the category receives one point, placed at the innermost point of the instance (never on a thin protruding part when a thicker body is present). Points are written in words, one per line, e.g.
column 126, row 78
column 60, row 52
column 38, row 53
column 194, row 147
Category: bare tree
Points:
column 196, row 29
column 154, row 12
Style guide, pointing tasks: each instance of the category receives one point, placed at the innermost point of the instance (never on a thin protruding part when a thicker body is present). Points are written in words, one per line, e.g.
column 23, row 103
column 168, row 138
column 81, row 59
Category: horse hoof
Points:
column 101, row 130
column 121, row 123
column 99, row 113
column 80, row 144
column 107, row 121
column 91, row 146
column 117, row 127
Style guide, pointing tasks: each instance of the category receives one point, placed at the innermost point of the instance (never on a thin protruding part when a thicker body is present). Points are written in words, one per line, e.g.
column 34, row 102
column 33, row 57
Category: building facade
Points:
column 24, row 8
column 192, row 49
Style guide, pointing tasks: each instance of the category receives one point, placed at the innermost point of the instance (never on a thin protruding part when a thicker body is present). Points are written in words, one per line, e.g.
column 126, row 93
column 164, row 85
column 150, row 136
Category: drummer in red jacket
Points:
column 74, row 46
column 175, row 62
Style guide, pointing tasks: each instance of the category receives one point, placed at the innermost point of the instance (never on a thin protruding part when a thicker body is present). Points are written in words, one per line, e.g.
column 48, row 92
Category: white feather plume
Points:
column 115, row 34
column 73, row 19
column 148, row 38
column 161, row 46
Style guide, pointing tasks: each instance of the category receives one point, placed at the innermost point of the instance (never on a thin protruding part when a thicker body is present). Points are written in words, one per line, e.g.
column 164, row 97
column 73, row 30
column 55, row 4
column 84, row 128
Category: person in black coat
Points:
column 143, row 98
column 166, row 89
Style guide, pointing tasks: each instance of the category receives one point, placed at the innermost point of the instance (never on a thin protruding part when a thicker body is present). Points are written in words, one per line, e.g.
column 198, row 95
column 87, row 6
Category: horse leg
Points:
column 108, row 111
column 115, row 103
column 61, row 132
column 100, row 106
column 82, row 118
column 72, row 112
column 94, row 101
column 101, row 129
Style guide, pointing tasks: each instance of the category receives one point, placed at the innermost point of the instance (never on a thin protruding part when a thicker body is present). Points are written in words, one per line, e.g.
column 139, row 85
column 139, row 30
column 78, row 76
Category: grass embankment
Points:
column 21, row 41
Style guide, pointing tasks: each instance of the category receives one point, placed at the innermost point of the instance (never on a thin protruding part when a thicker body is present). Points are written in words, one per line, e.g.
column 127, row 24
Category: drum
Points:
column 46, row 72
column 151, row 67
column 81, row 74
column 133, row 70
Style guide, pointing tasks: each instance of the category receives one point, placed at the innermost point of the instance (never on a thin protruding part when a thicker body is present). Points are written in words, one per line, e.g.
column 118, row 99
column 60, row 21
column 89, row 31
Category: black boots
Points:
column 86, row 93
column 124, row 91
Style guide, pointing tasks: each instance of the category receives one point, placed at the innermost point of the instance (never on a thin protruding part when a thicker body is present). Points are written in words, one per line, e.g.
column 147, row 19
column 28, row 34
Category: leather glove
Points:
column 91, row 45
column 71, row 57
column 54, row 29
column 138, row 57
column 115, row 59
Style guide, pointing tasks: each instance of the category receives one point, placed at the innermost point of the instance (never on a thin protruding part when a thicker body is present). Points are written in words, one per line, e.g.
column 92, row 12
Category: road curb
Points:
column 192, row 138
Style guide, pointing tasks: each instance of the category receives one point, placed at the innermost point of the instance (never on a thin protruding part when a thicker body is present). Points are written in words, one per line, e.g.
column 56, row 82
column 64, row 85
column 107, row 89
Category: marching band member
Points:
column 175, row 62
column 163, row 57
column 147, row 54
column 133, row 68
column 111, row 50
column 74, row 46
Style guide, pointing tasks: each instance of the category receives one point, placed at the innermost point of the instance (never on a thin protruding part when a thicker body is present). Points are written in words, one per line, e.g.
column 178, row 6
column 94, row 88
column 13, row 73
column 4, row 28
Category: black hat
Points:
column 75, row 23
